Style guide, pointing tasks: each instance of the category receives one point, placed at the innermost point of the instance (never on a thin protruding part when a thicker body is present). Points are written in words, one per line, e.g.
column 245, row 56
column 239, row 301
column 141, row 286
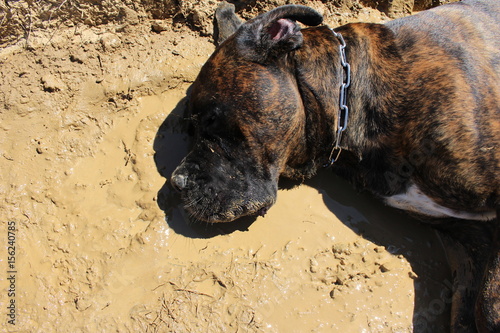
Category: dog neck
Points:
column 376, row 68
column 343, row 115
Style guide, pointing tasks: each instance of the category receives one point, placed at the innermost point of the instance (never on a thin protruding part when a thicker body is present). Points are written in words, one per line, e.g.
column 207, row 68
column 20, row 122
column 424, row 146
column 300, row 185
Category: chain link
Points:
column 343, row 115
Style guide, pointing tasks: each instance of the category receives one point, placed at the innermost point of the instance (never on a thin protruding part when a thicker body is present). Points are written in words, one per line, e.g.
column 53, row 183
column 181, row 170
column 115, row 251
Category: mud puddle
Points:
column 323, row 259
column 97, row 253
column 89, row 132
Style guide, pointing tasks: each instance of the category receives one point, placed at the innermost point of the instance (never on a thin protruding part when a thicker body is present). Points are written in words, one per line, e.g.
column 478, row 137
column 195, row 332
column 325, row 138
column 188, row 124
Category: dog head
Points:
column 248, row 119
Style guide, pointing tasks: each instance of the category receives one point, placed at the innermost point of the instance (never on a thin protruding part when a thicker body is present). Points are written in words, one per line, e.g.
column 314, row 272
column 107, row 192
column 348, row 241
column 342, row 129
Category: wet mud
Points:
column 90, row 129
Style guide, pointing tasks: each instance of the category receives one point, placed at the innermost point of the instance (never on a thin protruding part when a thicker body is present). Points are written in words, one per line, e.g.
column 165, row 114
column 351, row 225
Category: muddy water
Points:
column 102, row 244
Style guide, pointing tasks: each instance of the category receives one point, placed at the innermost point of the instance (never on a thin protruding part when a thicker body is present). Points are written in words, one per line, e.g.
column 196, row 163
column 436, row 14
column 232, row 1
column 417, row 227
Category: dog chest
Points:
column 414, row 200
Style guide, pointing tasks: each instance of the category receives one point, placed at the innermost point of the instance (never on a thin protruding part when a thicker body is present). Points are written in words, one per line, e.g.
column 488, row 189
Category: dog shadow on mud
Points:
column 384, row 226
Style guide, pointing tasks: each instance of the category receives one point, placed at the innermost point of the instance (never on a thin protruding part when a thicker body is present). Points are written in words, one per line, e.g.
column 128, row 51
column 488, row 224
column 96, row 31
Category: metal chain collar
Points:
column 343, row 109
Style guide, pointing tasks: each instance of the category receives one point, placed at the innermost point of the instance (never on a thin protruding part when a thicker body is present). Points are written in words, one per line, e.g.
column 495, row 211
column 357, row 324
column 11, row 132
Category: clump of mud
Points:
column 91, row 101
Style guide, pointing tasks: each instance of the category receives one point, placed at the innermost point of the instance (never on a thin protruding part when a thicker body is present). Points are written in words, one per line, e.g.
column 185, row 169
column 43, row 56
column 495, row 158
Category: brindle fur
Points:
column 424, row 109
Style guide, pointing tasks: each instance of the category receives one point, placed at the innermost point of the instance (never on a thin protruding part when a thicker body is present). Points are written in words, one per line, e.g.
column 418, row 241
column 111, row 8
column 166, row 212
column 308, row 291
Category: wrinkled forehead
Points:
column 227, row 76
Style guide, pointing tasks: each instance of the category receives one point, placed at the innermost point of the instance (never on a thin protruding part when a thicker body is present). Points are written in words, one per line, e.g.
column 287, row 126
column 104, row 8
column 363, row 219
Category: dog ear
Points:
column 227, row 22
column 275, row 33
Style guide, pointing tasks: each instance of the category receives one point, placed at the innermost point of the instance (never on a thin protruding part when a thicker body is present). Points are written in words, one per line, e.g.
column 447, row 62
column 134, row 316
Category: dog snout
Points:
column 178, row 182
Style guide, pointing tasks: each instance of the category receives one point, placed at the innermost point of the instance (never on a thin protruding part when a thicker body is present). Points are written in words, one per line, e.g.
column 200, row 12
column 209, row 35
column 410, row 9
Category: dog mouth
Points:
column 211, row 210
column 224, row 194
column 203, row 215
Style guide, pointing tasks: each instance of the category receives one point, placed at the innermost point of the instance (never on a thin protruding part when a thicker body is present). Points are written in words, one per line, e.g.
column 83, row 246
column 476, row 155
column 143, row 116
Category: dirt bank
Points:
column 91, row 100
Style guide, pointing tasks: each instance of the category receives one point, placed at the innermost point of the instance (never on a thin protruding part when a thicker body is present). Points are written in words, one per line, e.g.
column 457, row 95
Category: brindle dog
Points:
column 409, row 110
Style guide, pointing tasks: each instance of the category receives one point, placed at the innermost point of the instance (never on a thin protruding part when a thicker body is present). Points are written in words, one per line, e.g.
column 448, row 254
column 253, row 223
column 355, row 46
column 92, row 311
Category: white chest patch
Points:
column 414, row 200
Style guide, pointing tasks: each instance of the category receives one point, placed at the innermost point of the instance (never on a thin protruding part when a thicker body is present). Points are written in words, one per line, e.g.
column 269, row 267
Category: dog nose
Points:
column 178, row 182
